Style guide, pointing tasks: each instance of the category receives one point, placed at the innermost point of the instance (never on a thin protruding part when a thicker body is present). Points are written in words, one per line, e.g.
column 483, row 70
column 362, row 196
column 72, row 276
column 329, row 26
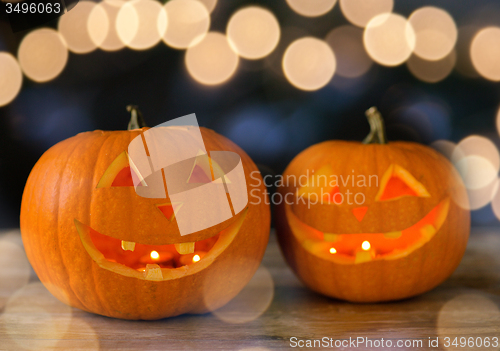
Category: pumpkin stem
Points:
column 136, row 119
column 377, row 130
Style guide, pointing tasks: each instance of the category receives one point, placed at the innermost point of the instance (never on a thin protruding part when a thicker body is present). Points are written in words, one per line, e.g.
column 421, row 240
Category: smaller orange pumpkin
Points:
column 374, row 221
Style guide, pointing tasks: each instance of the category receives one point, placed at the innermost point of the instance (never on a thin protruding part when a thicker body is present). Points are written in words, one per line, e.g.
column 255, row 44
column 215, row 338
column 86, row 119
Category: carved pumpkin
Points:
column 372, row 221
column 99, row 246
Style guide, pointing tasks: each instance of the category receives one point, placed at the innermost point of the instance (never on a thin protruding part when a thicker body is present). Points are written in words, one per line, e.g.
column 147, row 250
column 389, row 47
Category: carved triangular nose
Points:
column 359, row 212
column 170, row 209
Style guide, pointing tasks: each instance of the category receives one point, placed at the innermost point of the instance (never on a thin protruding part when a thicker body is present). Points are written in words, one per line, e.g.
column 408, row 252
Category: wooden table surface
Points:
column 274, row 308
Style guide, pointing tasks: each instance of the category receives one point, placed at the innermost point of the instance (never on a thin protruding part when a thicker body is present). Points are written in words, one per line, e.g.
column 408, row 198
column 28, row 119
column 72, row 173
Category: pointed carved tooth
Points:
column 153, row 272
column 185, row 248
column 392, row 235
column 331, row 238
column 428, row 231
column 128, row 245
column 363, row 256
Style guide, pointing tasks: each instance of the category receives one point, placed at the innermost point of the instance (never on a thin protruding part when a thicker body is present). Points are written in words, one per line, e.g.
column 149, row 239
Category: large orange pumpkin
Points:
column 372, row 221
column 99, row 246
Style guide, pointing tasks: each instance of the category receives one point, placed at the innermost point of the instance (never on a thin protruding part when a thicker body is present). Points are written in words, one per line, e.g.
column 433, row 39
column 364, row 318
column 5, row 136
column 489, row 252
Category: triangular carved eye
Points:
column 202, row 170
column 120, row 173
column 206, row 170
column 398, row 182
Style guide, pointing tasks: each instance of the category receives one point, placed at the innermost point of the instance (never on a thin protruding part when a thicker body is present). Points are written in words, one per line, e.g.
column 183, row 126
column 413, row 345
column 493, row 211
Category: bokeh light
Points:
column 42, row 54
column 389, row 39
column 27, row 307
column 432, row 71
column 73, row 27
column 141, row 23
column 478, row 161
column 481, row 146
column 212, row 61
column 253, row 32
column 458, row 316
column 209, row 4
column 479, row 198
column 11, row 78
column 495, row 203
column 251, row 302
column 309, row 63
column 15, row 269
column 360, row 12
column 498, row 121
column 476, row 171
column 347, row 44
column 311, row 8
column 188, row 23
column 485, row 53
column 435, row 32
column 101, row 25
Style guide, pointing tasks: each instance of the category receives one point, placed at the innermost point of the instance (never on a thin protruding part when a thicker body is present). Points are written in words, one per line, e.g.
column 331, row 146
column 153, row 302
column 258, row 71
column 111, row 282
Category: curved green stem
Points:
column 136, row 119
column 377, row 129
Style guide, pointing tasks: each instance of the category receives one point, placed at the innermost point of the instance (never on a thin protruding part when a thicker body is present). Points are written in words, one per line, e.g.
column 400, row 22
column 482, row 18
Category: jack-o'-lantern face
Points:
column 149, row 249
column 350, row 231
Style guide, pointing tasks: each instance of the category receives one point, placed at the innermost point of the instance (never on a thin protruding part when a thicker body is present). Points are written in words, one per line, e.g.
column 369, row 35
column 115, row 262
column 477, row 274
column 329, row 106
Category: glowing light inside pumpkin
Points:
column 196, row 258
column 365, row 245
column 166, row 256
column 333, row 251
column 154, row 255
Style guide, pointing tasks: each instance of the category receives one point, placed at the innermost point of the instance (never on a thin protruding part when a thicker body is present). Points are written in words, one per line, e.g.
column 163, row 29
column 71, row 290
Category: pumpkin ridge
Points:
column 60, row 251
column 93, row 267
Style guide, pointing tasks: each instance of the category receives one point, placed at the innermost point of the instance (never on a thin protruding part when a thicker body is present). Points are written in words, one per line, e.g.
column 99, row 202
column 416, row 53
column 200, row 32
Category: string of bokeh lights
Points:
column 426, row 42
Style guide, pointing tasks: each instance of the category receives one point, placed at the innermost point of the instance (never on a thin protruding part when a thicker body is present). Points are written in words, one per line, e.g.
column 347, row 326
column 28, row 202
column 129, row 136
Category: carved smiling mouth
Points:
column 365, row 247
column 155, row 262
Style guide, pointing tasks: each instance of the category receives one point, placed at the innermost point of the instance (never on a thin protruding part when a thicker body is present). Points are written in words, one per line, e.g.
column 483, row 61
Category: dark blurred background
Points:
column 257, row 107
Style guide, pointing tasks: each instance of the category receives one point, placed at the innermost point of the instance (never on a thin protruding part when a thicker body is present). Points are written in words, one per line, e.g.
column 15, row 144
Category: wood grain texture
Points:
column 466, row 305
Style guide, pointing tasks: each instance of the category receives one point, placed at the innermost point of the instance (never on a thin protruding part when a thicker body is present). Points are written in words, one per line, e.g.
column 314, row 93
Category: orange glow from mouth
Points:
column 362, row 247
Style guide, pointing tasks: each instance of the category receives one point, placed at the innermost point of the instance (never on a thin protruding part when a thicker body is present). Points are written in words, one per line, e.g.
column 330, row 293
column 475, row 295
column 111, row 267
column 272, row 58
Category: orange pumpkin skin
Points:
column 380, row 278
column 61, row 190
